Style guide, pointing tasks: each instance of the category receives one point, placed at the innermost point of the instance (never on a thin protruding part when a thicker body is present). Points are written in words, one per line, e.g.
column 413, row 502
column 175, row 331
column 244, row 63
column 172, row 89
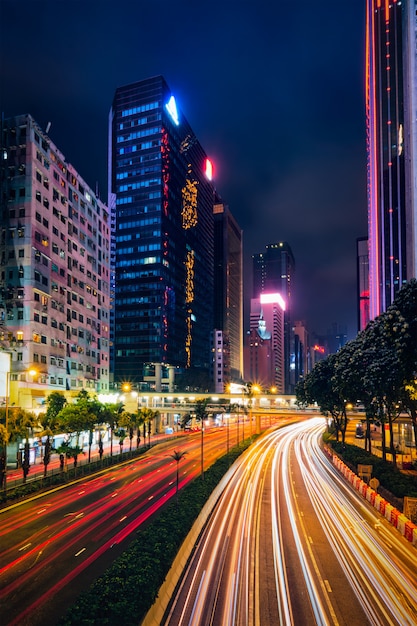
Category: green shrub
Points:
column 127, row 590
column 390, row 477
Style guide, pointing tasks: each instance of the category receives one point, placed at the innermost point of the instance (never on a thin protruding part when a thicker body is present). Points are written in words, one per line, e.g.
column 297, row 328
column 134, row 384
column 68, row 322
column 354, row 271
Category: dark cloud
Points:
column 273, row 89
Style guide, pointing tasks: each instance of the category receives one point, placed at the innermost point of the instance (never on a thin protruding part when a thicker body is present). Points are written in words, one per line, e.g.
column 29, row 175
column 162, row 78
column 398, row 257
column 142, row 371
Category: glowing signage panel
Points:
column 209, row 169
column 171, row 107
column 271, row 298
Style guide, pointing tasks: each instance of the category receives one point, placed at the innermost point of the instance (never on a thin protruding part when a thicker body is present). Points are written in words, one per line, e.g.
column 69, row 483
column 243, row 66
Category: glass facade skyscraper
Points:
column 161, row 198
column 391, row 96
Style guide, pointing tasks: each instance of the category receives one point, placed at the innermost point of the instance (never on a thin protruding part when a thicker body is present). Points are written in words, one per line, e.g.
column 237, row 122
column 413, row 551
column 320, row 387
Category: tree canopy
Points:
column 378, row 369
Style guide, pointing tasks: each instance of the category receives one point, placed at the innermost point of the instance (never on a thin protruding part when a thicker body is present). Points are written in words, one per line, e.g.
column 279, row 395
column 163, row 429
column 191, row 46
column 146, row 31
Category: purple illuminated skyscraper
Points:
column 391, row 86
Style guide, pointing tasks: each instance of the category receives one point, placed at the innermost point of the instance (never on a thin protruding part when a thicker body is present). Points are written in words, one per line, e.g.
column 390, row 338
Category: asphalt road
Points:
column 291, row 543
column 55, row 545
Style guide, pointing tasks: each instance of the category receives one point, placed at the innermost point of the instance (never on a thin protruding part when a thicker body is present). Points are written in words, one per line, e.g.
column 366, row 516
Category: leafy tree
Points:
column 73, row 420
column 55, row 402
column 319, row 386
column 21, row 423
column 406, row 305
column 93, row 412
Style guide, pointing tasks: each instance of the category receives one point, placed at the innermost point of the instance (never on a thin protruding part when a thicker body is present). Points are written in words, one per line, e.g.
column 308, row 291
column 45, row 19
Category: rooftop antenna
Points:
column 48, row 126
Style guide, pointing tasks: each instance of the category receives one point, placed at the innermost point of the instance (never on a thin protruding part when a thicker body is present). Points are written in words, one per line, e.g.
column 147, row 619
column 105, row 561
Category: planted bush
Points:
column 128, row 589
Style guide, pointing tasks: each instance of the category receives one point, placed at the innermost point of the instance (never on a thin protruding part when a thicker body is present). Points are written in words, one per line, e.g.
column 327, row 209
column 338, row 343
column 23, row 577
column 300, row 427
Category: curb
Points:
column 397, row 519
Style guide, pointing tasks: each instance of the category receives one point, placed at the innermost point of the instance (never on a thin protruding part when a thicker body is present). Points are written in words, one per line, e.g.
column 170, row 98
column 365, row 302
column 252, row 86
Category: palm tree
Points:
column 147, row 416
column 110, row 414
column 177, row 456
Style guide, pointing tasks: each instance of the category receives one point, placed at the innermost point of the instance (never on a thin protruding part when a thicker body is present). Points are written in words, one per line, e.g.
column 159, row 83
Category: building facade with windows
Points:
column 362, row 266
column 391, row 98
column 273, row 271
column 228, row 298
column 264, row 346
column 161, row 190
column 54, row 270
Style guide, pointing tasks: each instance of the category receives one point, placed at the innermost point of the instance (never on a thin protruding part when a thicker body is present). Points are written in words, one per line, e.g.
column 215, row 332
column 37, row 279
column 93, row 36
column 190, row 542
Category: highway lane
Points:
column 56, row 544
column 291, row 543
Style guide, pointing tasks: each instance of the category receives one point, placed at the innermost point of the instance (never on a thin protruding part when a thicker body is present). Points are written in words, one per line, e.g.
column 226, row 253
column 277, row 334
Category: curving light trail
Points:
column 49, row 541
column 259, row 522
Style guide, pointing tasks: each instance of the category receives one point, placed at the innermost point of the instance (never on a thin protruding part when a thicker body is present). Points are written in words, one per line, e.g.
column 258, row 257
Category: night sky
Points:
column 273, row 89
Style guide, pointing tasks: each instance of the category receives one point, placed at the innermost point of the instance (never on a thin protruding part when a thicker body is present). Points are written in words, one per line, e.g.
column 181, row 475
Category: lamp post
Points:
column 227, row 417
column 256, row 389
column 6, row 439
column 202, row 449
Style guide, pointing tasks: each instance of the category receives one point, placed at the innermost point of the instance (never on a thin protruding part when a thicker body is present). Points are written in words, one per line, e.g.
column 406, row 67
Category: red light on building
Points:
column 208, row 169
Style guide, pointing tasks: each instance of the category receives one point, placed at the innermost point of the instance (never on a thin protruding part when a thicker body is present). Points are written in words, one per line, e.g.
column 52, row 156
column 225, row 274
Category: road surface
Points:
column 291, row 543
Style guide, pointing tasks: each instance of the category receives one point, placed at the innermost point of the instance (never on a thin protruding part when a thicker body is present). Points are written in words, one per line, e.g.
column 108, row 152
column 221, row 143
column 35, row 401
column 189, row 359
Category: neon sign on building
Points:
column 171, row 107
column 189, row 204
column 189, row 298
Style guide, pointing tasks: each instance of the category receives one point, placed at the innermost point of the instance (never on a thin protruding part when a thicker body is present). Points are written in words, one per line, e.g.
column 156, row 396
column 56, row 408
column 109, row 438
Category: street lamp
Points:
column 257, row 389
column 6, row 437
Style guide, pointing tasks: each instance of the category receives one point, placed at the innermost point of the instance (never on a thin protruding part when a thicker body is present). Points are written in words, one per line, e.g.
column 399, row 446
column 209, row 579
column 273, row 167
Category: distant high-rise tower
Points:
column 264, row 348
column 363, row 282
column 160, row 188
column 54, row 270
column 273, row 272
column 391, row 90
column 228, row 294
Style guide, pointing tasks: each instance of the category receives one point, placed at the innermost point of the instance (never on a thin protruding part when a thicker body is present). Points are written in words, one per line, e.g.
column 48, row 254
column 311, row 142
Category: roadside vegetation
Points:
column 86, row 414
column 128, row 589
column 377, row 369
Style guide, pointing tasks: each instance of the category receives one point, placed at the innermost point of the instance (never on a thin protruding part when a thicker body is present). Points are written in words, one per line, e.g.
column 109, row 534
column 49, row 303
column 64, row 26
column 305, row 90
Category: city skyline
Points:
column 275, row 96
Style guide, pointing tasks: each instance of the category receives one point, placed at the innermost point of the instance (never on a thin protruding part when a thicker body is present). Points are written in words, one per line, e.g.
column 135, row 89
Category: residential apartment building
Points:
column 54, row 270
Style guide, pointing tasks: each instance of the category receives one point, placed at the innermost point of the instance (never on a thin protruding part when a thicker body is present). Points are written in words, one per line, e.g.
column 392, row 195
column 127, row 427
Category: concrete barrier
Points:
column 407, row 528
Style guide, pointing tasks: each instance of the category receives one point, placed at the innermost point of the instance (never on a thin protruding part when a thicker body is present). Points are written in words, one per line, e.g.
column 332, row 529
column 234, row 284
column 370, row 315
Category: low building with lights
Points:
column 161, row 197
column 54, row 271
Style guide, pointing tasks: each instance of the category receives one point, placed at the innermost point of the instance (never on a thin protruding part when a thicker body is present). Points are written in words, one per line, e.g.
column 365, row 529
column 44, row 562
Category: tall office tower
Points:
column 55, row 270
column 273, row 271
column 392, row 148
column 362, row 282
column 228, row 294
column 164, row 233
column 302, row 350
column 264, row 348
